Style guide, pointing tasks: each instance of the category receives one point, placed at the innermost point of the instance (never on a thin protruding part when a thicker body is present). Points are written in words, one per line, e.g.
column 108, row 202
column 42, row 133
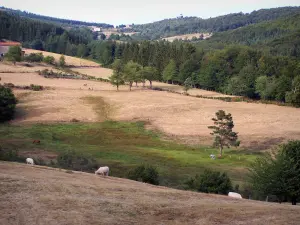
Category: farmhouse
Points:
column 4, row 46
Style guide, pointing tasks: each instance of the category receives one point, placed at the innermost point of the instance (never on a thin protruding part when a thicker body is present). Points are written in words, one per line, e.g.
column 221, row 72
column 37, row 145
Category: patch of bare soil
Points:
column 41, row 195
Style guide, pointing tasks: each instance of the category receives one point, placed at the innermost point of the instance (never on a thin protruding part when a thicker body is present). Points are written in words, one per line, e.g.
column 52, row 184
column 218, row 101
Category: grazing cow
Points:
column 29, row 161
column 234, row 195
column 102, row 171
column 36, row 141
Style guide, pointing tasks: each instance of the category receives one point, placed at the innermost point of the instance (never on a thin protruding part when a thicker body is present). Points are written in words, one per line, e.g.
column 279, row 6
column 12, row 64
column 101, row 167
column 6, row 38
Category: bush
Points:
column 210, row 182
column 34, row 57
column 35, row 87
column 76, row 161
column 147, row 174
column 49, row 60
column 7, row 104
column 10, row 155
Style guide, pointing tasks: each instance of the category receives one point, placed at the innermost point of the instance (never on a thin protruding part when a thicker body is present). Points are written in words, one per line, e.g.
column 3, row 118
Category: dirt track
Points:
column 41, row 195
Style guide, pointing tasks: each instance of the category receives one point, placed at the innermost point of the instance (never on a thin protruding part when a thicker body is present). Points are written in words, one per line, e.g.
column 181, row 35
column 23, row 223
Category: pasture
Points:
column 183, row 118
column 123, row 146
column 187, row 36
column 42, row 195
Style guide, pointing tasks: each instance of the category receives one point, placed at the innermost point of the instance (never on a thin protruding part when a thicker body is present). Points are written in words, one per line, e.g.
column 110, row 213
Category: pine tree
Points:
column 222, row 130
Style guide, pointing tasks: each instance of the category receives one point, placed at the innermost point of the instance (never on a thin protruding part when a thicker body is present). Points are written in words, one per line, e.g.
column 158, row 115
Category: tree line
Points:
column 55, row 20
column 235, row 70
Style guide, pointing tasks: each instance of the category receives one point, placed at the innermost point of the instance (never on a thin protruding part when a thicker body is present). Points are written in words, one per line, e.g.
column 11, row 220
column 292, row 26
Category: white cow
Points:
column 234, row 195
column 30, row 161
column 102, row 171
column 212, row 156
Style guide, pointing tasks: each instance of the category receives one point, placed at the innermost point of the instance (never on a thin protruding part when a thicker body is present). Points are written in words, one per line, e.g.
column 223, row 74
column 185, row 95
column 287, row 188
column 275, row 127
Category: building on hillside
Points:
column 4, row 46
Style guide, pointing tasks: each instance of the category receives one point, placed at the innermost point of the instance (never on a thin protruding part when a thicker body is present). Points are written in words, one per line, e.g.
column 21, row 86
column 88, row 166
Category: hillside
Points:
column 281, row 35
column 59, row 21
column 186, row 25
column 41, row 195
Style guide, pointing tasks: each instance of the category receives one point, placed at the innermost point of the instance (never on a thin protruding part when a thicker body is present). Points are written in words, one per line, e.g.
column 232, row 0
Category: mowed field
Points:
column 41, row 195
column 182, row 117
column 71, row 61
column 188, row 36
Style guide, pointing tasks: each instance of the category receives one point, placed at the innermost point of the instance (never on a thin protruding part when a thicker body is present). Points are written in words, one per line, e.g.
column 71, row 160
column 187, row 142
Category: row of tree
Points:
column 236, row 70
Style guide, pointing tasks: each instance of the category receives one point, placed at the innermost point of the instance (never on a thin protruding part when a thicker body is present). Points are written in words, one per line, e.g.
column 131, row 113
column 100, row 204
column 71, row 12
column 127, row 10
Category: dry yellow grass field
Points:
column 98, row 72
column 176, row 115
column 41, row 195
column 69, row 60
column 188, row 36
column 21, row 68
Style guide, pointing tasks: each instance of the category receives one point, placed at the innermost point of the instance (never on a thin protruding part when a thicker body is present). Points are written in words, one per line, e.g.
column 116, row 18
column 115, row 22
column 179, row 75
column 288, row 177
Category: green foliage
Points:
column 148, row 73
column 188, row 84
column 170, row 72
column 49, row 60
column 294, row 95
column 210, row 182
column 117, row 77
column 34, row 57
column 62, row 61
column 131, row 73
column 279, row 175
column 76, row 161
column 10, row 155
column 147, row 174
column 14, row 54
column 36, row 87
column 222, row 130
column 7, row 104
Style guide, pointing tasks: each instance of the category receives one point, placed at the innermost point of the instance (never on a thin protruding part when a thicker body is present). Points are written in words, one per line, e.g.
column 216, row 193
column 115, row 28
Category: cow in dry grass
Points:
column 104, row 171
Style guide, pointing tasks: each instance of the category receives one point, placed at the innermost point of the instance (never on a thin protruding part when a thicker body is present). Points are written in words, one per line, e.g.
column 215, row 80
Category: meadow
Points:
column 123, row 146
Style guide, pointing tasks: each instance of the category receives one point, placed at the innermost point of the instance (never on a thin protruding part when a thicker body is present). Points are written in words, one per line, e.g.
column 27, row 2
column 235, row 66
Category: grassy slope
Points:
column 123, row 145
column 41, row 195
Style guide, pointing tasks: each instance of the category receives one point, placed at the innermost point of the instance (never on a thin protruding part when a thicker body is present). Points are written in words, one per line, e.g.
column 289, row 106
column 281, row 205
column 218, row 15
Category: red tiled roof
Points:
column 10, row 43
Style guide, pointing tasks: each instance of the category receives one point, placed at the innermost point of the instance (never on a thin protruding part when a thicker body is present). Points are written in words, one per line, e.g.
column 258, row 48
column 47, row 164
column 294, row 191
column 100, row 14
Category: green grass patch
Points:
column 125, row 145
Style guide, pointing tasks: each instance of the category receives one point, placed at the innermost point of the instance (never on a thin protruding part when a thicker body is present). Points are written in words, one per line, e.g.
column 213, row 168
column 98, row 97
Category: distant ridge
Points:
column 54, row 19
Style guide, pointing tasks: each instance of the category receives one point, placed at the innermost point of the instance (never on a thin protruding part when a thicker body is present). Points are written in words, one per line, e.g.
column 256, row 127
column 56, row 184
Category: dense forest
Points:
column 53, row 19
column 266, row 67
column 186, row 25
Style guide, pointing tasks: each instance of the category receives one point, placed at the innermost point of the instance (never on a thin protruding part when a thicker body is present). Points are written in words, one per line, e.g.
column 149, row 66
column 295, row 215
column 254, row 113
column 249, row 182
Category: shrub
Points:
column 7, row 103
column 34, row 57
column 10, row 155
column 210, row 182
column 35, row 87
column 147, row 174
column 76, row 161
column 49, row 60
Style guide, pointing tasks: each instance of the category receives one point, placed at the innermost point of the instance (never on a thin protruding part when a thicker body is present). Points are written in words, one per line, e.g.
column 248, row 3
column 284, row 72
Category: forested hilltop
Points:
column 53, row 19
column 259, row 61
column 187, row 25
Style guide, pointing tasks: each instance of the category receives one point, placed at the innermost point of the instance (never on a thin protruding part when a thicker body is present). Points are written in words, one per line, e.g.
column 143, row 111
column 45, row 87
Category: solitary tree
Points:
column 117, row 77
column 188, row 84
column 62, row 61
column 222, row 130
column 14, row 54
